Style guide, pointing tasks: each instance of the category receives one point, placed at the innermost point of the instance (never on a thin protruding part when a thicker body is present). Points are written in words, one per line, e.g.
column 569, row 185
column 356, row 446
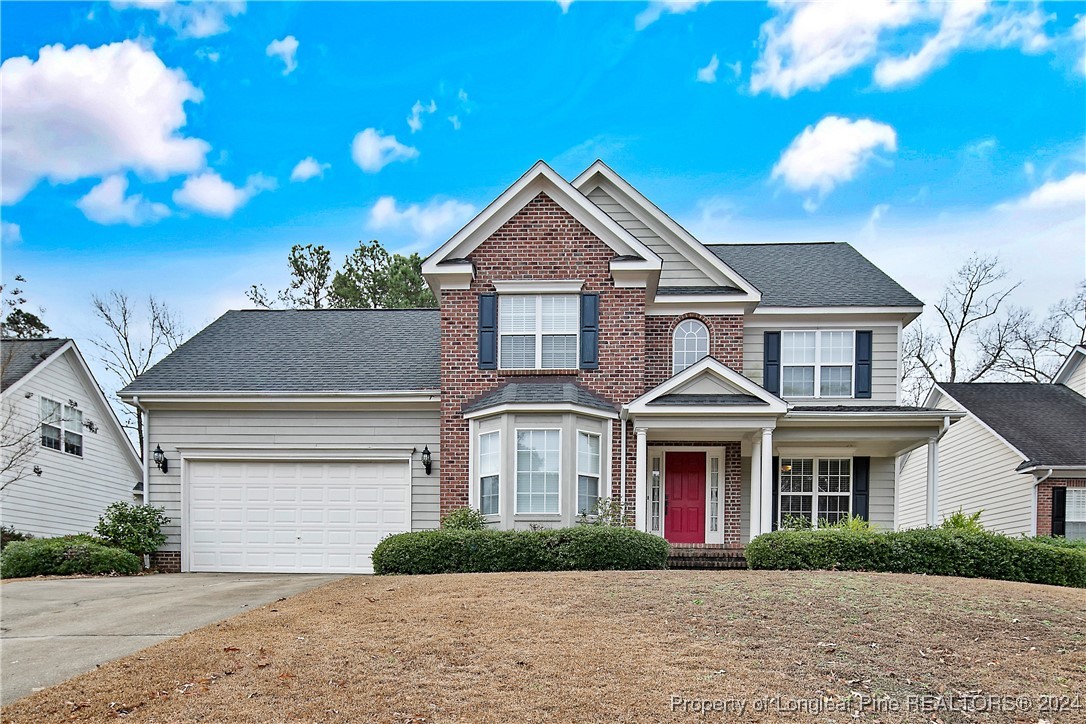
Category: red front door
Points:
column 684, row 497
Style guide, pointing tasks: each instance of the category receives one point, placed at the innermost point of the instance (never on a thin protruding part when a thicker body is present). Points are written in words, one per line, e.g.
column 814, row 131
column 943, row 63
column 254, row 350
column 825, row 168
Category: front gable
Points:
column 709, row 386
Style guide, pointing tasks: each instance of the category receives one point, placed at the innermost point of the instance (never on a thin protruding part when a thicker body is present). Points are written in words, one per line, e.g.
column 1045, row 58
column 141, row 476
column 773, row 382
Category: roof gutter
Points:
column 623, row 416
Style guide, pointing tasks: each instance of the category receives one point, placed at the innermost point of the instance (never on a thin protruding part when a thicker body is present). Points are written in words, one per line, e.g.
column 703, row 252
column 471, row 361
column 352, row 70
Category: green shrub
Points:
column 9, row 535
column 464, row 519
column 962, row 522
column 70, row 555
column 585, row 548
column 1060, row 542
column 849, row 522
column 606, row 511
column 933, row 551
column 135, row 528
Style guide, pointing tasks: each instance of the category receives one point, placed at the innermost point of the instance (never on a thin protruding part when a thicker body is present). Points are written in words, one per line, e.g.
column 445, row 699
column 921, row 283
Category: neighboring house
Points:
column 65, row 455
column 1019, row 456
column 586, row 346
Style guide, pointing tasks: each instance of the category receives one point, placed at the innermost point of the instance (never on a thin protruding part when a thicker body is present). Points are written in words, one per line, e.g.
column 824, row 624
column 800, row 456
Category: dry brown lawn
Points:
column 603, row 646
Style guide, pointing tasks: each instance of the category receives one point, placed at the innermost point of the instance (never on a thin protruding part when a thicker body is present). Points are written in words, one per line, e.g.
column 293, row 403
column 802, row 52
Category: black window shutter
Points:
column 590, row 331
column 771, row 364
column 861, row 486
column 863, row 364
column 776, row 482
column 488, row 331
column 1059, row 511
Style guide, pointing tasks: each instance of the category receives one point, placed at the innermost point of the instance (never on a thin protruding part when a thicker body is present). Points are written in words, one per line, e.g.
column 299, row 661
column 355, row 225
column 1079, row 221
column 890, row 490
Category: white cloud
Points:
column 1068, row 192
column 200, row 19
column 708, row 73
column 308, row 168
column 209, row 54
column 736, row 68
column 209, row 194
column 106, row 203
column 78, row 113
column 455, row 121
column 285, row 50
column 658, row 8
column 805, row 46
column 10, row 233
column 564, row 4
column 982, row 148
column 1078, row 36
column 427, row 221
column 414, row 121
column 830, row 153
column 372, row 151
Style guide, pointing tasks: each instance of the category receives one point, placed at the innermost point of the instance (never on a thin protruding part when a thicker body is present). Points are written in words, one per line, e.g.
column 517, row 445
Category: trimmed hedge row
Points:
column 586, row 548
column 66, row 556
column 931, row 551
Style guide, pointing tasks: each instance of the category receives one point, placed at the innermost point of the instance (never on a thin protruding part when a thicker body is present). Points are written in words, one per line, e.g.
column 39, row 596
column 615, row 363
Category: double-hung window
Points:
column 815, row 491
column 489, row 475
column 588, row 472
column 537, row 471
column 817, row 364
column 61, row 427
column 538, row 331
column 1075, row 514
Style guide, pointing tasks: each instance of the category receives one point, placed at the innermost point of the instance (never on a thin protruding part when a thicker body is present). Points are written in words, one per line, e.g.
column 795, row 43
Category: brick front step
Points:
column 705, row 555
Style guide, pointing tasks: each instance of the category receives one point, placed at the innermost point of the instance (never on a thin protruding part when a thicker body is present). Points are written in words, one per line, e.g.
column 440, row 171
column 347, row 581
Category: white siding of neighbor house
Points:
column 677, row 270
column 1077, row 379
column 884, row 362
column 72, row 490
column 880, row 505
column 299, row 429
column 976, row 472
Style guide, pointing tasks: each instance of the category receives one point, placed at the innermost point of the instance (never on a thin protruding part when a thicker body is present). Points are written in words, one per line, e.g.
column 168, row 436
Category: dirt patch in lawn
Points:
column 608, row 646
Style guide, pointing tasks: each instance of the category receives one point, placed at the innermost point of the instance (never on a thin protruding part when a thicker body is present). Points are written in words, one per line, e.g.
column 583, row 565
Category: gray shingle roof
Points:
column 324, row 350
column 539, row 390
column 862, row 408
column 681, row 399
column 825, row 274
column 668, row 291
column 18, row 357
column 1045, row 422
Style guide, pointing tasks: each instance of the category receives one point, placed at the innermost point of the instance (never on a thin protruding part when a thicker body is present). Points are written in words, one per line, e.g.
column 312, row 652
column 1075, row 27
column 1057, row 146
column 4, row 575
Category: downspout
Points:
column 144, row 455
column 623, row 415
column 1036, row 487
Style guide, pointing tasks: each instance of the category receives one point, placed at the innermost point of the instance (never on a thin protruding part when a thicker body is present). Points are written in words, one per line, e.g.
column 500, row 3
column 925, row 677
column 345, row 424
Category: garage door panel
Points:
column 293, row 516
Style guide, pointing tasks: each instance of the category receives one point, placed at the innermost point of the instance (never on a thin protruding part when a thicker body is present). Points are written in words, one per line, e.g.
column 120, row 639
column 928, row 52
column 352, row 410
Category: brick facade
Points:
column 725, row 342
column 166, row 561
column 1044, row 500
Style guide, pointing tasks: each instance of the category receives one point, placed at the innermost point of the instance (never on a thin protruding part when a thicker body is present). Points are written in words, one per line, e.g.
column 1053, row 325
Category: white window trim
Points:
column 1076, row 491
column 814, row 494
column 818, row 365
column 674, row 337
column 516, row 477
column 598, row 476
column 478, row 473
column 538, row 333
column 62, row 426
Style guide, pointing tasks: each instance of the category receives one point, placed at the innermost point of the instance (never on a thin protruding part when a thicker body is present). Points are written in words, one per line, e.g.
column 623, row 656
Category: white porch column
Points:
column 756, row 485
column 933, row 481
column 640, row 516
column 767, row 479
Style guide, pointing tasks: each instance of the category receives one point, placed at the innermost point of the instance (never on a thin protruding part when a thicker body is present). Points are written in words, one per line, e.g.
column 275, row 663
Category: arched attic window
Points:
column 690, row 343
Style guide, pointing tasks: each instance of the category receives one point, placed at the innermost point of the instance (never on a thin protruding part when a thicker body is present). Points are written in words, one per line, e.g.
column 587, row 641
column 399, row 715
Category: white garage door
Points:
column 293, row 517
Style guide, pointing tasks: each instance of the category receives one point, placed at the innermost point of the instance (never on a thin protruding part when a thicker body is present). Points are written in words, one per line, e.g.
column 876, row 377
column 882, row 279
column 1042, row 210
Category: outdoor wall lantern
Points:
column 427, row 460
column 160, row 459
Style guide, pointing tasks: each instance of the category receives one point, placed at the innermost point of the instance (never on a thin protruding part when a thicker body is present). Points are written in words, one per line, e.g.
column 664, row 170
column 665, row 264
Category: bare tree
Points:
column 1039, row 346
column 136, row 340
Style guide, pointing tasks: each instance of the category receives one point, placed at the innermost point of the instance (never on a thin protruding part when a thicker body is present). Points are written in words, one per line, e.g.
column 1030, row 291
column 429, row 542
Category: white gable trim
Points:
column 540, row 178
column 1077, row 356
column 710, row 366
column 600, row 175
column 940, row 391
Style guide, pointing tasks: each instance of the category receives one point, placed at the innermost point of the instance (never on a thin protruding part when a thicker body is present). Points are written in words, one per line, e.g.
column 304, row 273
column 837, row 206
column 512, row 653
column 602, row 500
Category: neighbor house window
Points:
column 1075, row 514
column 588, row 472
column 817, row 364
column 538, row 331
column 689, row 344
column 61, row 427
column 489, row 476
column 815, row 491
column 537, row 466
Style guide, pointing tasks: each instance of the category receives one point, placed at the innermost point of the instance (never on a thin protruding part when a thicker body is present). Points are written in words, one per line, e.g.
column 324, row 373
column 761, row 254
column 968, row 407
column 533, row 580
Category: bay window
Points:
column 538, row 461
column 815, row 491
column 538, row 331
column 489, row 475
column 817, row 363
column 588, row 472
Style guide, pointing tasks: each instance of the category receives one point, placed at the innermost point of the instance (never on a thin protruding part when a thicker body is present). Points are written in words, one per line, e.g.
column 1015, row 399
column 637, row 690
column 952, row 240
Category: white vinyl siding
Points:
column 73, row 490
column 976, row 472
column 1077, row 380
column 294, row 428
column 884, row 363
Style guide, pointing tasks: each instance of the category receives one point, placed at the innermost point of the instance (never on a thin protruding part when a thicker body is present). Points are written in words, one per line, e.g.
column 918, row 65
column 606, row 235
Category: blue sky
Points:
column 159, row 157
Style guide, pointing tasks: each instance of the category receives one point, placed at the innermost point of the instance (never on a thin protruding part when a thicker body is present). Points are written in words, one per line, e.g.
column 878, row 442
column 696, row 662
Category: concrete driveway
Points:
column 52, row 630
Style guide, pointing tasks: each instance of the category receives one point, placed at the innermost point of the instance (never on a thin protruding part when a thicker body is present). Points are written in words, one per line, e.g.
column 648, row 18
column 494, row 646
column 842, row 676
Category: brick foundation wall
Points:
column 166, row 561
column 1044, row 500
column 725, row 342
column 541, row 241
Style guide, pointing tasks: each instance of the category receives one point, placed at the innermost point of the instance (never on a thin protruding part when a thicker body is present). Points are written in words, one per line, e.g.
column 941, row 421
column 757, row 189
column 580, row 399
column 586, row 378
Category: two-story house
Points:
column 586, row 346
